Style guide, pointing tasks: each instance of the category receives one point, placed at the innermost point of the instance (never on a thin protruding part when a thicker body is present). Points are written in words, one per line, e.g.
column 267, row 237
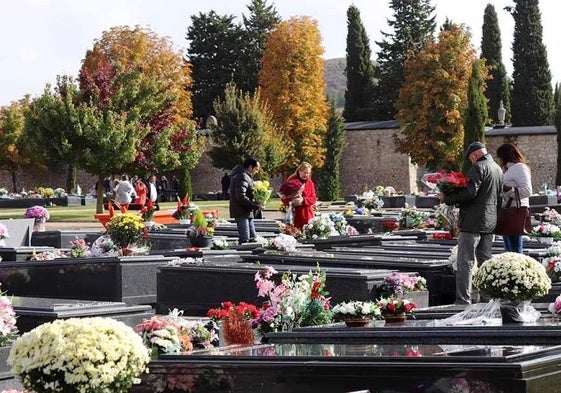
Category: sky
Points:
column 45, row 38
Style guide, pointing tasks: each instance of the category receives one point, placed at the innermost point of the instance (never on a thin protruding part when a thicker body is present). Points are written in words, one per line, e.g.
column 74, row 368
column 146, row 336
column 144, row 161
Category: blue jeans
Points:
column 246, row 229
column 513, row 243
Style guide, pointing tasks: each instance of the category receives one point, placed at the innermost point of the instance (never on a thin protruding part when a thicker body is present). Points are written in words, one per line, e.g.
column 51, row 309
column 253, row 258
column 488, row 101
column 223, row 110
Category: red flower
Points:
column 448, row 182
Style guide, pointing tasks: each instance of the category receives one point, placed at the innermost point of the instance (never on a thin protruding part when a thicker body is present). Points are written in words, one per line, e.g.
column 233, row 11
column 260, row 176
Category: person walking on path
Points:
column 242, row 203
column 479, row 203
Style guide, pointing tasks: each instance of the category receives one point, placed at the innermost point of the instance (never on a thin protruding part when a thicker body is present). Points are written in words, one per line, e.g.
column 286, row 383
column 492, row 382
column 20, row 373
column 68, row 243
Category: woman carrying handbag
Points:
column 517, row 184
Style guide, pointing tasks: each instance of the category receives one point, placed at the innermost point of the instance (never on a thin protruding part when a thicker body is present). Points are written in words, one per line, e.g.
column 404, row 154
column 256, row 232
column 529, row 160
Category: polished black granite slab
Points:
column 126, row 279
column 32, row 312
column 198, row 287
column 62, row 238
column 335, row 368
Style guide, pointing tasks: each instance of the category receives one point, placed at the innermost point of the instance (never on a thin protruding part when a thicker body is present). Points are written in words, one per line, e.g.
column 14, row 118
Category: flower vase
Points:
column 200, row 241
column 517, row 311
column 39, row 225
column 400, row 317
column 356, row 321
column 2, row 242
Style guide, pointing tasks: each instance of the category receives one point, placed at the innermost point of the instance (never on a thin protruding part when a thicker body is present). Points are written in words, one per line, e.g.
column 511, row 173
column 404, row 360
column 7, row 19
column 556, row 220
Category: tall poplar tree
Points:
column 329, row 187
column 476, row 112
column 491, row 51
column 293, row 86
column 532, row 96
column 433, row 100
column 359, row 70
column 261, row 20
column 413, row 23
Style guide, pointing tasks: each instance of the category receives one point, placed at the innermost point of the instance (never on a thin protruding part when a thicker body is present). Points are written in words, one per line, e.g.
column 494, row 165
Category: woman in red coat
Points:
column 299, row 191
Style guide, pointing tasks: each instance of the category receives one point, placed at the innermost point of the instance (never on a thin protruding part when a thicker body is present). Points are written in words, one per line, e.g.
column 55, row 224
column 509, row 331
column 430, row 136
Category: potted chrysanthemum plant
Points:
column 513, row 280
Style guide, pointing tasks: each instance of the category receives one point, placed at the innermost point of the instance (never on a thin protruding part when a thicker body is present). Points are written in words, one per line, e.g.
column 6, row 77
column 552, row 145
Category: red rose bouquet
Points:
column 449, row 182
column 291, row 188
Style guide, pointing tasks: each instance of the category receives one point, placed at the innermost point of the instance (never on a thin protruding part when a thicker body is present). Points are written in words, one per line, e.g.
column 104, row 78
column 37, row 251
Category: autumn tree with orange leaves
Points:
column 292, row 85
column 433, row 100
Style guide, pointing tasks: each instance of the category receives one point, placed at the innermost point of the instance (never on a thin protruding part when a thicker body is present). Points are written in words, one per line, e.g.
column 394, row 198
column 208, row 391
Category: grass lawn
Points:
column 86, row 213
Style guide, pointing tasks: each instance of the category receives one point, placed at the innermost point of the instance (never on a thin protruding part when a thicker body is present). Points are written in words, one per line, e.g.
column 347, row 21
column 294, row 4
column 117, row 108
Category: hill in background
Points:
column 336, row 80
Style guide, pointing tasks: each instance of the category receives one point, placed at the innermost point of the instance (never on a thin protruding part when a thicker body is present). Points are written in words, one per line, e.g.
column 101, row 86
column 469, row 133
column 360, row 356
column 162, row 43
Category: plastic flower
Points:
column 512, row 276
column 148, row 211
column 394, row 305
column 397, row 283
column 546, row 230
column 282, row 242
column 319, row 227
column 356, row 308
column 78, row 248
column 555, row 307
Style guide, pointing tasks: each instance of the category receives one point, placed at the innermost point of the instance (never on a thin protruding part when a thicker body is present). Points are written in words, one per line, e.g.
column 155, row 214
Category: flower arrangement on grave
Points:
column 389, row 226
column 78, row 248
column 46, row 192
column 551, row 215
column 219, row 244
column 357, row 309
column 79, row 355
column 394, row 305
column 398, row 283
column 297, row 301
column 148, row 210
column 410, row 217
column 370, row 200
column 512, row 276
column 8, row 329
column 3, row 192
column 126, row 230
column 319, row 227
column 236, row 321
column 447, row 217
column 104, row 246
column 282, row 242
column 449, row 182
column 546, row 230
column 59, row 192
column 165, row 335
column 555, row 306
column 553, row 267
column 47, row 255
column 292, row 231
column 341, row 225
column 39, row 213
column 201, row 225
column 184, row 209
column 261, row 192
column 4, row 234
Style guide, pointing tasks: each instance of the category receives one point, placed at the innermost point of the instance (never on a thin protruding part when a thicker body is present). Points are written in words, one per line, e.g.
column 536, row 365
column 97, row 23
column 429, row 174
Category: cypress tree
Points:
column 532, row 97
column 476, row 112
column 261, row 20
column 491, row 48
column 412, row 25
column 359, row 70
column 329, row 185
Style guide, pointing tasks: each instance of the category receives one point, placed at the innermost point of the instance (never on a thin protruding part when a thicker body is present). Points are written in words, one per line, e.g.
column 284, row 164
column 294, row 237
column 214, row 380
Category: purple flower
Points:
column 37, row 212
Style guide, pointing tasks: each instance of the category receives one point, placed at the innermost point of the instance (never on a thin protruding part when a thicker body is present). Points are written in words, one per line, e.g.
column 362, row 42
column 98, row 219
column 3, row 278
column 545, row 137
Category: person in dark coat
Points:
column 242, row 203
column 225, row 183
column 479, row 204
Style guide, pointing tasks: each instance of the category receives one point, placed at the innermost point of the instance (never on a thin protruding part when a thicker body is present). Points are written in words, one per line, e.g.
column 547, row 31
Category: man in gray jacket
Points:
column 479, row 203
column 242, row 203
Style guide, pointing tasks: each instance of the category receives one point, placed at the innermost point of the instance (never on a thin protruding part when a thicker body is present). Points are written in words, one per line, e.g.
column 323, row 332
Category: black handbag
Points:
column 514, row 221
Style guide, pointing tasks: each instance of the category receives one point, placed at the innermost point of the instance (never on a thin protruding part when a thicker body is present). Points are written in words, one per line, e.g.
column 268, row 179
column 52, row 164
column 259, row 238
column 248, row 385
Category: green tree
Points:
column 245, row 128
column 13, row 152
column 134, row 70
column 52, row 126
column 476, row 113
column 261, row 20
column 359, row 94
column 412, row 25
column 491, row 51
column 293, row 85
column 329, row 187
column 532, row 97
column 433, row 100
column 214, row 52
